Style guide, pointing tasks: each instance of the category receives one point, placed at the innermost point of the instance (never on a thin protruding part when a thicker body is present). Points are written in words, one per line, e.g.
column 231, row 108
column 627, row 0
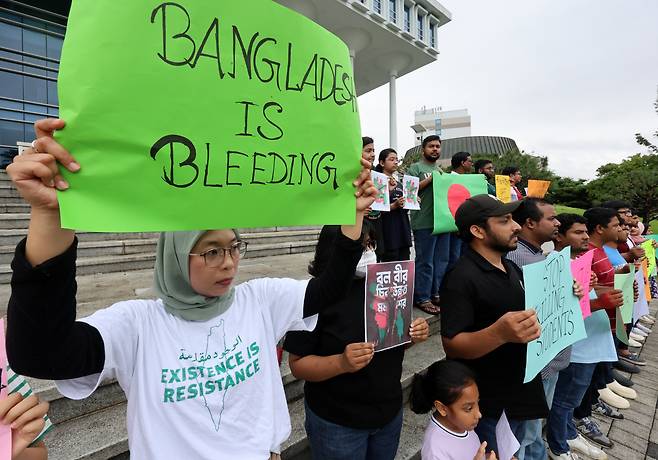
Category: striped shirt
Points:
column 605, row 274
column 17, row 384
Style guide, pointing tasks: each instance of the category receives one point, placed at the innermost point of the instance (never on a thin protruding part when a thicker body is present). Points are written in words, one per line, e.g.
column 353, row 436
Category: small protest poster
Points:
column 5, row 430
column 624, row 282
column 503, row 188
column 388, row 303
column 410, row 187
column 645, row 274
column 650, row 254
column 538, row 188
column 507, row 443
column 581, row 269
column 620, row 327
column 192, row 114
column 450, row 191
column 382, row 200
column 641, row 307
column 549, row 291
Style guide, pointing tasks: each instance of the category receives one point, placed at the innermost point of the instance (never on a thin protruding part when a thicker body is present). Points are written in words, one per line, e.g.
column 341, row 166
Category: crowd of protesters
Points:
column 353, row 396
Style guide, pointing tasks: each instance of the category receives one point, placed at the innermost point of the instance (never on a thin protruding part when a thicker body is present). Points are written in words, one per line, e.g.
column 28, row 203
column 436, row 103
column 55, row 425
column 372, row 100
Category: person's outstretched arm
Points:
column 43, row 338
column 336, row 279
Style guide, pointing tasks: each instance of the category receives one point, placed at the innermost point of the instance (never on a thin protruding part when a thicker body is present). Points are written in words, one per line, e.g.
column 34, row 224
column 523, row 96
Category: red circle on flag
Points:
column 457, row 194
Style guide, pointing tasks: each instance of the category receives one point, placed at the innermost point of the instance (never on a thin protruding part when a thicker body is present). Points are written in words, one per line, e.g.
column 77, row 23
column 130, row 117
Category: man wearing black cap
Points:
column 483, row 317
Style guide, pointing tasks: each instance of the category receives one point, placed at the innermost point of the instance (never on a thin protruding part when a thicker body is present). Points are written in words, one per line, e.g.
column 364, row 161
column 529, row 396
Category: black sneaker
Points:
column 591, row 431
column 626, row 367
column 633, row 358
column 619, row 377
column 601, row 408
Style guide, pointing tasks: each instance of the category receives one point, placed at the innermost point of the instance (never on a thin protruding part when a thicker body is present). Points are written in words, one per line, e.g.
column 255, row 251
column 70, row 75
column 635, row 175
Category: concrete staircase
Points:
column 95, row 428
column 122, row 252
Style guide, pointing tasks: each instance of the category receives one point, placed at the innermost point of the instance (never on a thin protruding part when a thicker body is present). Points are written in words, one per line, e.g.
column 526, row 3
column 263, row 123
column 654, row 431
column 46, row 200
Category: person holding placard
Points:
column 484, row 322
column 432, row 251
column 574, row 380
column 198, row 365
column 539, row 225
column 603, row 226
column 486, row 167
column 515, row 179
column 352, row 394
column 396, row 230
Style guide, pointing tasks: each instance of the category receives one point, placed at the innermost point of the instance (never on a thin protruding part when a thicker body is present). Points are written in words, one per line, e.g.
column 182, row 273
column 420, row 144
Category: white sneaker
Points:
column 565, row 456
column 643, row 328
column 634, row 343
column 580, row 444
column 640, row 332
column 636, row 337
column 622, row 391
column 647, row 319
column 613, row 399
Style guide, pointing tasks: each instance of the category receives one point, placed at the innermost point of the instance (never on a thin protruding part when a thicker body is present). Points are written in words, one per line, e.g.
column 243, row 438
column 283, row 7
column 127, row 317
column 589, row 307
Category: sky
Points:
column 572, row 80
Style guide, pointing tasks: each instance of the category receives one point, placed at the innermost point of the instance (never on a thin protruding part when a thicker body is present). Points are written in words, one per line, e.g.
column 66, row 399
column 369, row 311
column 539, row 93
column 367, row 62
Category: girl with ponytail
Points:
column 449, row 390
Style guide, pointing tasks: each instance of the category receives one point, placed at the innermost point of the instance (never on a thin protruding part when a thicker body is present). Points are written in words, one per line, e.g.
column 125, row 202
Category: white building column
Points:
column 392, row 113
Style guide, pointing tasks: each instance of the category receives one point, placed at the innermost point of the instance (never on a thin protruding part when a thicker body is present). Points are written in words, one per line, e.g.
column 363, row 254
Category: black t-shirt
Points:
column 396, row 228
column 474, row 295
column 367, row 399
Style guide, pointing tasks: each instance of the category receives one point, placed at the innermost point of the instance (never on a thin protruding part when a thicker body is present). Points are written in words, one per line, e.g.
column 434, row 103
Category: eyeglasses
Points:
column 214, row 257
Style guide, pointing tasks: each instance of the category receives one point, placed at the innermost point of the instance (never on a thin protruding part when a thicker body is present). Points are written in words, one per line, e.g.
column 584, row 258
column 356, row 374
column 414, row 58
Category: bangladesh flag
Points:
column 450, row 191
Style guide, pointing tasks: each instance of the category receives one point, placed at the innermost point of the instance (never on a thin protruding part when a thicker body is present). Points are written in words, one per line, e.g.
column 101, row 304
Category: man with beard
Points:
column 484, row 322
column 432, row 251
column 539, row 225
column 486, row 167
column 598, row 346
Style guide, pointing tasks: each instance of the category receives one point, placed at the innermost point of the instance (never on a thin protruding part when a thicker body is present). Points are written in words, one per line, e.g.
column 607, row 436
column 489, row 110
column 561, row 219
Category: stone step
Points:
column 13, row 200
column 129, row 262
column 148, row 245
column 7, row 190
column 13, row 208
column 102, row 417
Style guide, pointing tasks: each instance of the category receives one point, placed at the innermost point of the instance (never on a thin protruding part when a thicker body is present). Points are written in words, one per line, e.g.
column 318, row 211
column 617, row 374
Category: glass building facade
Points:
column 30, row 46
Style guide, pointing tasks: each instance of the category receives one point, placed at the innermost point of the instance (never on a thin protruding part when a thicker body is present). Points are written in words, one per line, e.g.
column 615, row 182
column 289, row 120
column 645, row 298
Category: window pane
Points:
column 10, row 132
column 11, row 85
column 53, row 47
column 10, row 36
column 34, row 42
column 52, row 93
column 35, row 90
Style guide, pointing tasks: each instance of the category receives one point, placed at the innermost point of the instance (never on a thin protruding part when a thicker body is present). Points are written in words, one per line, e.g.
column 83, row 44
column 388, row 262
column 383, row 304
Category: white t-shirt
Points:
column 201, row 390
column 440, row 443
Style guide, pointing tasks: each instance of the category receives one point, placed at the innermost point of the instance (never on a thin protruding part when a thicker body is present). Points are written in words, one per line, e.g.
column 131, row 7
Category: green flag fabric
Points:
column 450, row 191
column 197, row 115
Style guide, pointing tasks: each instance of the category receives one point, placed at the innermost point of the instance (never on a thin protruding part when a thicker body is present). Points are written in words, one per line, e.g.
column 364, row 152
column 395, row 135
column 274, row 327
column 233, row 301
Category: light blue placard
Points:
column 549, row 291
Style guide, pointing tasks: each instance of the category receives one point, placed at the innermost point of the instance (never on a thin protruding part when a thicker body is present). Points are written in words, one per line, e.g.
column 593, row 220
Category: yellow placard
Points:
column 503, row 188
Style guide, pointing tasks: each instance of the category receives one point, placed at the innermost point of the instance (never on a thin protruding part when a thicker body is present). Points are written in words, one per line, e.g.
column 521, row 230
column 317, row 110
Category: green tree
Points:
column 635, row 179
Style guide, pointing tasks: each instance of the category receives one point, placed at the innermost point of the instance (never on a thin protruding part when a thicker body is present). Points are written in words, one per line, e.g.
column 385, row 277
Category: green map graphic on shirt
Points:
column 211, row 373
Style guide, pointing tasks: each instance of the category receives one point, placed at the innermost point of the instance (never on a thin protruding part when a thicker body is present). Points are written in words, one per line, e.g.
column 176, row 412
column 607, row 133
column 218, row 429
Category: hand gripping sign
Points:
column 194, row 114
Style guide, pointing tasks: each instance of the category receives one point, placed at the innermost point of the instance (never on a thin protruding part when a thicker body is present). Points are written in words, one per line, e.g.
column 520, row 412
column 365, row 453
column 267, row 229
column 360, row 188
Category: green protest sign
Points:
column 650, row 254
column 624, row 282
column 450, row 191
column 193, row 114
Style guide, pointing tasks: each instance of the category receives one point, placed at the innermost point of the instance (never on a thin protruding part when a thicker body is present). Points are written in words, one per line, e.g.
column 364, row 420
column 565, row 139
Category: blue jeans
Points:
column 432, row 259
column 571, row 387
column 330, row 441
column 532, row 446
column 486, row 431
column 455, row 249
